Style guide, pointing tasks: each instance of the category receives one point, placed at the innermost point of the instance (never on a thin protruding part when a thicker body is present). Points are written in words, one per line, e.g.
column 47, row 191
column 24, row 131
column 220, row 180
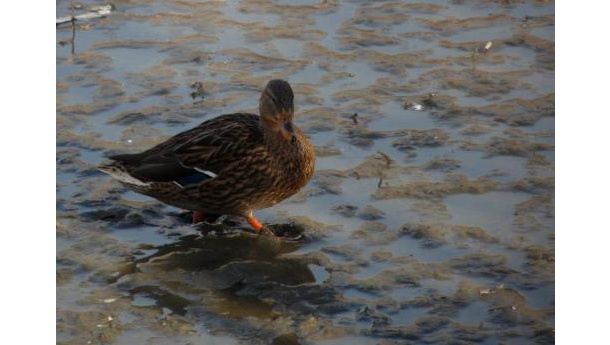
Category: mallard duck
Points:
column 233, row 164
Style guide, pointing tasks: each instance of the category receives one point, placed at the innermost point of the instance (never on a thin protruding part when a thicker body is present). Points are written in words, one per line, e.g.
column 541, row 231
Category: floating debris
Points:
column 385, row 156
column 94, row 12
column 198, row 93
column 355, row 118
column 429, row 101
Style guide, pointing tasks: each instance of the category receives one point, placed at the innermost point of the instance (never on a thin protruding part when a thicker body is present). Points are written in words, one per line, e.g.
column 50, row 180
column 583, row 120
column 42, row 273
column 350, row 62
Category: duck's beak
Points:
column 287, row 131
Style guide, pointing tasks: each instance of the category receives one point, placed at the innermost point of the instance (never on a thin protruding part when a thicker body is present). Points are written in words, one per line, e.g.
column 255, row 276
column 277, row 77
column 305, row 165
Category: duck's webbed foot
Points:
column 198, row 217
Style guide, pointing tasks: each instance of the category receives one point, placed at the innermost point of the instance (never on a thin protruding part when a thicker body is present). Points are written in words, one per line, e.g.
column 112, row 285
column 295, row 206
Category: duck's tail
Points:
column 118, row 171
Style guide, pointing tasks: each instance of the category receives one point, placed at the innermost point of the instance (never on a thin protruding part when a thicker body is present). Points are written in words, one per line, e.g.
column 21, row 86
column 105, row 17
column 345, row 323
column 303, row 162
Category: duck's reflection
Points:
column 230, row 275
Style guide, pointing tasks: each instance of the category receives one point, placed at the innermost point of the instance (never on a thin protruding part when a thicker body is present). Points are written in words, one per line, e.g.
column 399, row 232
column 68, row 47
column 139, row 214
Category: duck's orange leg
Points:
column 255, row 223
column 198, row 217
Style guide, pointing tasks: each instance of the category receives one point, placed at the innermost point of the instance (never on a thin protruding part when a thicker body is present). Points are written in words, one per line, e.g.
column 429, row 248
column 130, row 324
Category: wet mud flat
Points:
column 430, row 218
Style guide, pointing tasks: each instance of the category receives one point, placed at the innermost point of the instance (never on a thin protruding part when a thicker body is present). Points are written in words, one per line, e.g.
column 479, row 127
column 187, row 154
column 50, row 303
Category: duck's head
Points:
column 277, row 108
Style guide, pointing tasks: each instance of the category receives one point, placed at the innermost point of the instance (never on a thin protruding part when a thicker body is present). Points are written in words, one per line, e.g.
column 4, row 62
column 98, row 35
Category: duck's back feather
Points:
column 197, row 154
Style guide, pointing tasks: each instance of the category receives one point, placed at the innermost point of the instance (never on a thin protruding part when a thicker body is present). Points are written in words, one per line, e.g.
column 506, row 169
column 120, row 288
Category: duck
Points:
column 230, row 165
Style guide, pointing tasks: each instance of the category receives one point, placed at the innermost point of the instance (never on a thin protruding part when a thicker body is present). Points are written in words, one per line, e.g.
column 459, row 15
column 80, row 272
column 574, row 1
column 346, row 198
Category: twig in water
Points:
column 387, row 158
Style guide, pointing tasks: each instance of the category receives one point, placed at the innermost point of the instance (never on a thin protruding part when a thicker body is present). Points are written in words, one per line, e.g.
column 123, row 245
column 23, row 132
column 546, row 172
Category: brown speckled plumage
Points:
column 230, row 165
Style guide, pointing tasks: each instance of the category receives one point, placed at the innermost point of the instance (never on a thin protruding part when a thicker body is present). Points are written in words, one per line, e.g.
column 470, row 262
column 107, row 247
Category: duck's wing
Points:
column 197, row 154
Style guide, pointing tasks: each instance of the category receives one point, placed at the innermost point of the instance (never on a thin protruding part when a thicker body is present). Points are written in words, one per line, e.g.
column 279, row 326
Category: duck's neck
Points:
column 295, row 158
column 275, row 142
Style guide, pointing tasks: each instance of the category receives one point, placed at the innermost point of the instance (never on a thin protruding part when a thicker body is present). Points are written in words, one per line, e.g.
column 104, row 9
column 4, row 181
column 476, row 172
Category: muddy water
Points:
column 431, row 214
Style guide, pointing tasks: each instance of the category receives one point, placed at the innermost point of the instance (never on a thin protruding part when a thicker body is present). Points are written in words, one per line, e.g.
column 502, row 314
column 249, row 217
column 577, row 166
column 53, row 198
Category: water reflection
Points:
column 235, row 275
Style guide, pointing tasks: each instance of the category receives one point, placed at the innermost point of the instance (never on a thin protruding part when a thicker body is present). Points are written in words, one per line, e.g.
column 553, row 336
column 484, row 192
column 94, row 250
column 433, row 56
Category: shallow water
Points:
column 430, row 218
